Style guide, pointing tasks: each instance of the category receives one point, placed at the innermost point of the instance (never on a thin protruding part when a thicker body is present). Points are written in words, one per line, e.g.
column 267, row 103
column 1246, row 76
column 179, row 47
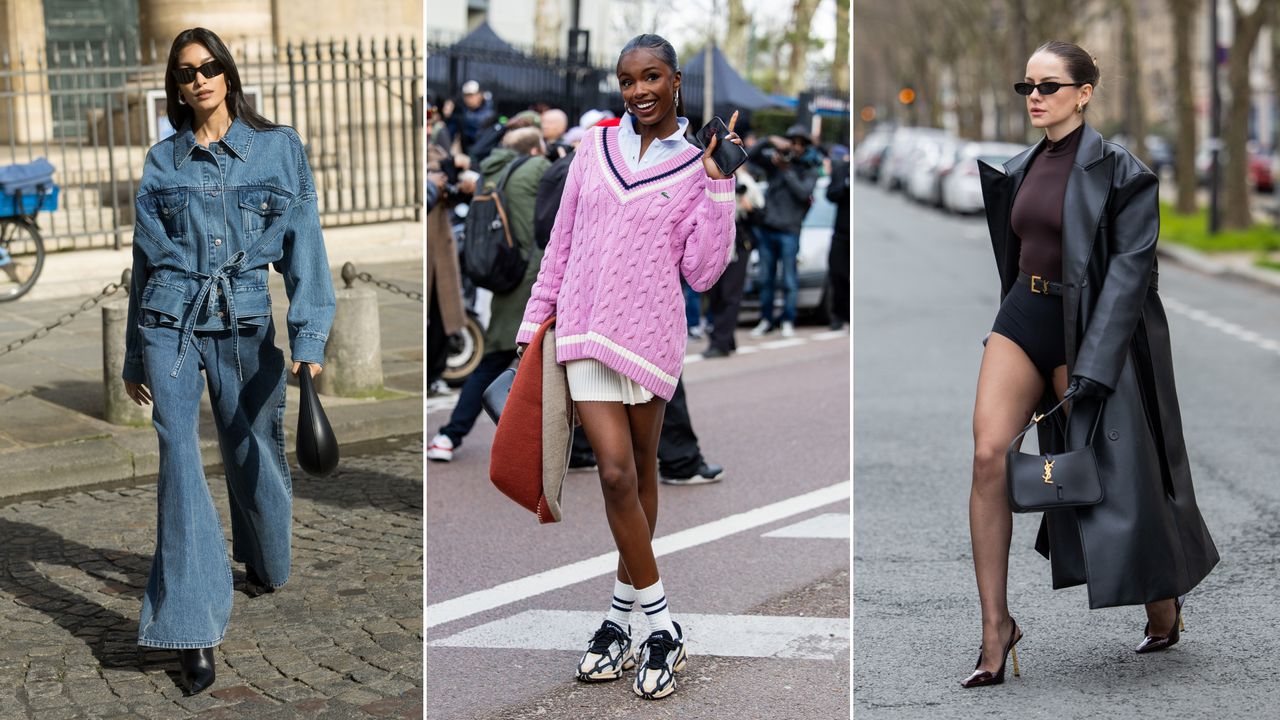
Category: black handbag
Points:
column 317, row 447
column 1052, row 481
column 495, row 396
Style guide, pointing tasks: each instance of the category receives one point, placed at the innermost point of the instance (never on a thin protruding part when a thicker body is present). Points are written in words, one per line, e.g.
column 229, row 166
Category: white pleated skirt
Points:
column 593, row 381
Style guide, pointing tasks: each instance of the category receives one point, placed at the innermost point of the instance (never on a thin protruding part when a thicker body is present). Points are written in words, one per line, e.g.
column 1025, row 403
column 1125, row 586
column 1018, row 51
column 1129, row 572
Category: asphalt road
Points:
column 926, row 293
column 766, row 616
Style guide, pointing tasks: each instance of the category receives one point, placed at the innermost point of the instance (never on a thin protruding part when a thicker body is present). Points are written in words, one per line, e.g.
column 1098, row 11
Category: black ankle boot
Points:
column 254, row 585
column 197, row 669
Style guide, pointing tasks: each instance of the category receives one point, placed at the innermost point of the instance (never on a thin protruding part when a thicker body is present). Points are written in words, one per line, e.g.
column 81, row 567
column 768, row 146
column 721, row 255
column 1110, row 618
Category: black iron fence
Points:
column 93, row 109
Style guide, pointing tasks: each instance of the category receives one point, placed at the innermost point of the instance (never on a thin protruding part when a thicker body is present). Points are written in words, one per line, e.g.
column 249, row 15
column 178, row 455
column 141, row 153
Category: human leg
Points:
column 768, row 271
column 248, row 411
column 1008, row 388
column 187, row 602
column 788, row 248
column 469, row 407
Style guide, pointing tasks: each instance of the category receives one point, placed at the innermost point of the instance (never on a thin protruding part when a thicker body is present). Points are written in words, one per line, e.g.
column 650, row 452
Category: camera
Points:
column 770, row 153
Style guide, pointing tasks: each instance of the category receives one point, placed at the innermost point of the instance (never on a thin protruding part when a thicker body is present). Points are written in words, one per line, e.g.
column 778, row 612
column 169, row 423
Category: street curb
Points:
column 131, row 455
column 1203, row 263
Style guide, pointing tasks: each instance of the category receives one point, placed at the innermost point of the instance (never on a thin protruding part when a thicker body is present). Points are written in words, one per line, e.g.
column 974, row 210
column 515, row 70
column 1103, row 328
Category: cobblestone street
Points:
column 343, row 639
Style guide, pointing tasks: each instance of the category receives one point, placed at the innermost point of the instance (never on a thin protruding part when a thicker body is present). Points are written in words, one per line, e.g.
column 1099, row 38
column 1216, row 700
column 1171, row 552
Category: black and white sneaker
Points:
column 661, row 657
column 608, row 655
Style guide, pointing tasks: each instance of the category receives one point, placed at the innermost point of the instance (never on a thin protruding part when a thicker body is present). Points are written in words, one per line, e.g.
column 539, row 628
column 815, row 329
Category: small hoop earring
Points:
column 625, row 107
column 181, row 100
column 677, row 101
column 1079, row 109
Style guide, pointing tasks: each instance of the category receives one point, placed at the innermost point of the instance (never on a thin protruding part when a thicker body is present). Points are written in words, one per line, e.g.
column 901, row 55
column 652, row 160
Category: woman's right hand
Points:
column 137, row 392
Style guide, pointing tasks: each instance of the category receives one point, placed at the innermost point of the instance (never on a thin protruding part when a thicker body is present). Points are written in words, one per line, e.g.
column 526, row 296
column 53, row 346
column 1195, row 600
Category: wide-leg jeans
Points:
column 188, row 598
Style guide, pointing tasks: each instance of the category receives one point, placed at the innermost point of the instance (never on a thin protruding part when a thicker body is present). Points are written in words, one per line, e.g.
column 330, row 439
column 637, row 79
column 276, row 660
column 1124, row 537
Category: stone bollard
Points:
column 353, row 355
column 118, row 408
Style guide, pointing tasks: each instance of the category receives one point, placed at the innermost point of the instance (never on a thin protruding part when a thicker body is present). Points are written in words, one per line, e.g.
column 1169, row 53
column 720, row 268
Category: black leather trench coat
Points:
column 1146, row 540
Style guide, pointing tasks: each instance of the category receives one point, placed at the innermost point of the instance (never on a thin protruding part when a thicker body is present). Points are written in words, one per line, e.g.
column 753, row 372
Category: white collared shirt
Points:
column 660, row 150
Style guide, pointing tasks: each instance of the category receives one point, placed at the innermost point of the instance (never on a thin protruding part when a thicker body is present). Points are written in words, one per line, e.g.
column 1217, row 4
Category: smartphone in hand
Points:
column 727, row 156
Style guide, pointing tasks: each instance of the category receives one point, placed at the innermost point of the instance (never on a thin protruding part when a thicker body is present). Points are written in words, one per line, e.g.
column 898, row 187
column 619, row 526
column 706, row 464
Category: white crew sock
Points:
column 624, row 597
column 653, row 601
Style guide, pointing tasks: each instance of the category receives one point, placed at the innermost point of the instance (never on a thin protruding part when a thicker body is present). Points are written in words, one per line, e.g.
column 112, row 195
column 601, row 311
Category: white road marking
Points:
column 565, row 575
column 1226, row 326
column 830, row 335
column 828, row 525
column 779, row 344
column 758, row 636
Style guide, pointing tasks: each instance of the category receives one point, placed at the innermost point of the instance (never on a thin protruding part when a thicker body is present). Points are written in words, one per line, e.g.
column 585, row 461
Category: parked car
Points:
column 935, row 159
column 811, row 264
column 870, row 153
column 1259, row 177
column 961, row 188
column 904, row 153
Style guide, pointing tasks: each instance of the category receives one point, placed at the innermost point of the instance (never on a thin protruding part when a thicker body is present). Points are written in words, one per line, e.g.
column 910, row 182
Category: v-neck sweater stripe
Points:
column 621, row 241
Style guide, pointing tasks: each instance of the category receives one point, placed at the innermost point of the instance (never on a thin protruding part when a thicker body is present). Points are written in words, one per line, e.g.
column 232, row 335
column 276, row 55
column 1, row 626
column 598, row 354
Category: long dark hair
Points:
column 663, row 50
column 180, row 113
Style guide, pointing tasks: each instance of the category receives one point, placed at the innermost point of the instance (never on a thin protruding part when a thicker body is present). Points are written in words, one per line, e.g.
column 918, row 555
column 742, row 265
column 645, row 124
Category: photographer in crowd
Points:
column 790, row 165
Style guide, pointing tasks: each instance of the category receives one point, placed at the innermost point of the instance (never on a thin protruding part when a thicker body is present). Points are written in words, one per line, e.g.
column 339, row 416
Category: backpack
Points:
column 550, row 189
column 490, row 256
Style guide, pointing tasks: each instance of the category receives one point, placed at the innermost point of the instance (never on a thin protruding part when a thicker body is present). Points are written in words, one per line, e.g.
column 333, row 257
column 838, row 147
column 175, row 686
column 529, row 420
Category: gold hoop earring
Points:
column 1079, row 109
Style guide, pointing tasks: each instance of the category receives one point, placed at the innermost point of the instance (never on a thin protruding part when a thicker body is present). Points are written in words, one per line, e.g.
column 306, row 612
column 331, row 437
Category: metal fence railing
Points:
column 93, row 109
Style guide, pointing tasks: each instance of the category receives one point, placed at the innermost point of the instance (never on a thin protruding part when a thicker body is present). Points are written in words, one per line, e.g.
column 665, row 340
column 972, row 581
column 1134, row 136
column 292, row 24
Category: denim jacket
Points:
column 209, row 221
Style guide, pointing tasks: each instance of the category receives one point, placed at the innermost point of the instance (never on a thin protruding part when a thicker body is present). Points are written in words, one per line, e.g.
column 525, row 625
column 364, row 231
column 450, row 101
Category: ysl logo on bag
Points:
column 1048, row 471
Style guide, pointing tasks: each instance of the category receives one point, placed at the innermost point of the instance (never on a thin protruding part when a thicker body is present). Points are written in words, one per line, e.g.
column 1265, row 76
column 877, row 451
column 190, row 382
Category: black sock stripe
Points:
column 655, row 611
column 623, row 609
column 620, row 601
column 655, row 602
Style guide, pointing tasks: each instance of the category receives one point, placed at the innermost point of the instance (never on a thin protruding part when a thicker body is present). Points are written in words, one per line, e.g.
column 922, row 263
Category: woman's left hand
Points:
column 713, row 172
column 315, row 369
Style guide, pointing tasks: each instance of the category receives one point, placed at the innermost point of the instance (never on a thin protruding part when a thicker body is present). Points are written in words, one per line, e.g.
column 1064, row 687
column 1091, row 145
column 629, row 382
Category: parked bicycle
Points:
column 25, row 190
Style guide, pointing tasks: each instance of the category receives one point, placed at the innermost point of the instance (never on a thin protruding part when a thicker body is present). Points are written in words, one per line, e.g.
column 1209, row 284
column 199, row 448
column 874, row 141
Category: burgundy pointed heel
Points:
column 1153, row 643
column 979, row 678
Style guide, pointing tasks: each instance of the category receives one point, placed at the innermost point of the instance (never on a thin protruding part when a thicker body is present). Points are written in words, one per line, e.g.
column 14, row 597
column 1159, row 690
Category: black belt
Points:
column 1039, row 285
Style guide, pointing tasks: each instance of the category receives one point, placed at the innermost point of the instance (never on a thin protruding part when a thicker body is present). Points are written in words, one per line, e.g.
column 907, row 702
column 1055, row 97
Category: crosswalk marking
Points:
column 565, row 575
column 757, row 636
column 827, row 525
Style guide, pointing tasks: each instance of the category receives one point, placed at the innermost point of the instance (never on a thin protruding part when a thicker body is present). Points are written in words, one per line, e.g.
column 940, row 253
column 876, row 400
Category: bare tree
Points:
column 840, row 70
column 546, row 22
column 1135, row 116
column 735, row 37
column 1184, row 102
column 1247, row 27
column 801, row 39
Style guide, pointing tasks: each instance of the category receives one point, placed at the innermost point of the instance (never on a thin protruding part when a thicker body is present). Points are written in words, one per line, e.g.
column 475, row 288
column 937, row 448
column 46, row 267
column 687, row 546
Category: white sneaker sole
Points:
column 627, row 664
column 439, row 455
column 681, row 661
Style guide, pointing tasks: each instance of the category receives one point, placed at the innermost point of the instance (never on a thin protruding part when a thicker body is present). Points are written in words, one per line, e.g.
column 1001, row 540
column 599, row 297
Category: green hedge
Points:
column 1193, row 231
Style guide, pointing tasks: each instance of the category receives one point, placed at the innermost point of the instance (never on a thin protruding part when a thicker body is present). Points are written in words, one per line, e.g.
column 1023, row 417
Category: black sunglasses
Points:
column 1045, row 88
column 209, row 70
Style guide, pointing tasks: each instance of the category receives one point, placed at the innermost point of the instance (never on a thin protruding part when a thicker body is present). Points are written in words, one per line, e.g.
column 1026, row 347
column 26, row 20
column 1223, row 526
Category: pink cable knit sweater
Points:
column 621, row 241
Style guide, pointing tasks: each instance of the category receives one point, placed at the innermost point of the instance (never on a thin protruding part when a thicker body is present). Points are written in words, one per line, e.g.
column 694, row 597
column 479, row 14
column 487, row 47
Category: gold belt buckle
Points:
column 1044, row 288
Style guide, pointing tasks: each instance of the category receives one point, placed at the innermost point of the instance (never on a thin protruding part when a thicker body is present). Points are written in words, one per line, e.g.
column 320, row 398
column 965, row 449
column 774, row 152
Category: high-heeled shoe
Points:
column 254, row 585
column 986, row 677
column 1152, row 643
column 197, row 669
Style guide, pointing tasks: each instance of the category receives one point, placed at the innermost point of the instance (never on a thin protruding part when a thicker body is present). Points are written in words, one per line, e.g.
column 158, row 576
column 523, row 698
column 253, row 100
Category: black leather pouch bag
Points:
column 317, row 448
column 1052, row 481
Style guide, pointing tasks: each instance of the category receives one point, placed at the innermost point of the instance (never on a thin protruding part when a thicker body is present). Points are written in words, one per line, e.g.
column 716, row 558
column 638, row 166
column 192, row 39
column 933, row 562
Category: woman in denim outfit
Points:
column 226, row 195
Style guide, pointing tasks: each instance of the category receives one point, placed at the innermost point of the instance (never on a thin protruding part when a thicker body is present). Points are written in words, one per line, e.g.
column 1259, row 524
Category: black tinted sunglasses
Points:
column 209, row 70
column 1045, row 88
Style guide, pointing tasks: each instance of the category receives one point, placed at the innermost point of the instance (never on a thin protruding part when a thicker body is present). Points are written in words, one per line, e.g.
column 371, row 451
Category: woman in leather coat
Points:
column 1074, row 222
column 226, row 195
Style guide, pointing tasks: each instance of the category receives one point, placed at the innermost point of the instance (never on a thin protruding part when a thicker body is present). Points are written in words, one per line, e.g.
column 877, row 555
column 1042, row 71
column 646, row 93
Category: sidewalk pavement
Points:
column 1234, row 264
column 52, row 433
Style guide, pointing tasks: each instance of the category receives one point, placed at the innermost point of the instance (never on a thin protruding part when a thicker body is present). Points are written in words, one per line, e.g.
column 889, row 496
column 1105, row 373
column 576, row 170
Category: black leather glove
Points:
column 1083, row 387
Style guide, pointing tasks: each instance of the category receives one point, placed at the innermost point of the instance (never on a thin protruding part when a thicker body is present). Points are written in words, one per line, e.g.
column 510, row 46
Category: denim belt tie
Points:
column 221, row 278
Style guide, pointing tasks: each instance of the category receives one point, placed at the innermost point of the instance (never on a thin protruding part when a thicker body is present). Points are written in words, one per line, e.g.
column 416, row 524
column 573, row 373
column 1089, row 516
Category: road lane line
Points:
column 1223, row 325
column 565, row 575
column 756, row 636
column 828, row 525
